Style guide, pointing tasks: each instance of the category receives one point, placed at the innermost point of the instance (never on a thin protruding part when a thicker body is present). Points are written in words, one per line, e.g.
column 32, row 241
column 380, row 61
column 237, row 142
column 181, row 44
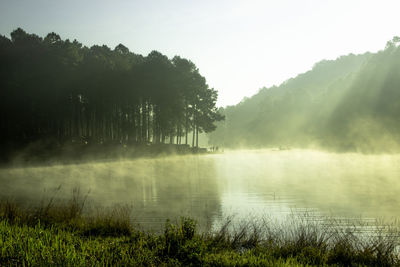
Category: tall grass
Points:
column 314, row 242
column 69, row 215
column 62, row 233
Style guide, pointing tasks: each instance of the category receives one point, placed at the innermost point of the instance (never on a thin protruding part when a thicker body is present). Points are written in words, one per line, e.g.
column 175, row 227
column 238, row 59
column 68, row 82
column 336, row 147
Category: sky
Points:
column 239, row 46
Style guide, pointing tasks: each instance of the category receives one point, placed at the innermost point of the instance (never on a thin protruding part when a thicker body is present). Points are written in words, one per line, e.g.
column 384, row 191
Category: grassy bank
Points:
column 44, row 153
column 61, row 234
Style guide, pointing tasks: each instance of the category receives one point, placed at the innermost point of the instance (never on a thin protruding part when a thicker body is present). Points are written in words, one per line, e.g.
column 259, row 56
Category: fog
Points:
column 210, row 187
column 334, row 130
column 349, row 104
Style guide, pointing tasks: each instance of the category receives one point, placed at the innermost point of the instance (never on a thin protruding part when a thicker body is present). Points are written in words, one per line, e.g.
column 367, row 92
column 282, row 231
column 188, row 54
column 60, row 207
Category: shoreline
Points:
column 34, row 155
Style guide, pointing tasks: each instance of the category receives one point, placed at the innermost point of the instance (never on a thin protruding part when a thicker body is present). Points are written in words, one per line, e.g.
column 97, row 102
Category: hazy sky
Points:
column 239, row 46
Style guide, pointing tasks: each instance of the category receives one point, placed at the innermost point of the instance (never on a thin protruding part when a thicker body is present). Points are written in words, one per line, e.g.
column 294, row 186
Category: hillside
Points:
column 348, row 104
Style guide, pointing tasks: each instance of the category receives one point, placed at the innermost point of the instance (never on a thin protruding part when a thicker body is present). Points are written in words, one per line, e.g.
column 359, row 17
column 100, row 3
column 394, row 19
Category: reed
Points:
column 65, row 234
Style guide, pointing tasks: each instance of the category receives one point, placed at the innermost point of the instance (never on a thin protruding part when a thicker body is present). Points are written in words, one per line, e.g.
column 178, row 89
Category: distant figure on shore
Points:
column 214, row 149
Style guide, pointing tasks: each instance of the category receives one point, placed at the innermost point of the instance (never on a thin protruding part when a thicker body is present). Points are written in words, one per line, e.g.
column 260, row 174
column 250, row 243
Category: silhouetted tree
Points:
column 61, row 90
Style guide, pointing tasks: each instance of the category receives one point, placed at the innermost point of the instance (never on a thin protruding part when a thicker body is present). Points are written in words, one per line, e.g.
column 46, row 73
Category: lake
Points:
column 246, row 184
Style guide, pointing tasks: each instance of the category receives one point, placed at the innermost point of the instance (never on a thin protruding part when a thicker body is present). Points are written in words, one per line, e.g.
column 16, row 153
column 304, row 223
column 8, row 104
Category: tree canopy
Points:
column 61, row 90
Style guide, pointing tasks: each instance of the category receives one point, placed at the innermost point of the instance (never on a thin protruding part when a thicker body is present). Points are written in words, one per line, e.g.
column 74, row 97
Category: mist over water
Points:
column 255, row 183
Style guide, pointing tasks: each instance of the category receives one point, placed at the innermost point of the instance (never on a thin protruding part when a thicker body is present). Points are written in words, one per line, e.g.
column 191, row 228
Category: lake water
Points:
column 245, row 184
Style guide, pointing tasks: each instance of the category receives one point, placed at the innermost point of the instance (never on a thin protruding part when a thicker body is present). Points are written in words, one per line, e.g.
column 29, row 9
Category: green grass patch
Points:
column 61, row 234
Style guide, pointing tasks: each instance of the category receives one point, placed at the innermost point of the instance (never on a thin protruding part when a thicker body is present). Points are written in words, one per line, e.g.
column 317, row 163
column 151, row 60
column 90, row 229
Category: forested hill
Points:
column 348, row 104
column 64, row 92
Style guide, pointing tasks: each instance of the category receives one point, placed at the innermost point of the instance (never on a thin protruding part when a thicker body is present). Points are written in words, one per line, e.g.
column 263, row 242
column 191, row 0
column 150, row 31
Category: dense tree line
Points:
column 61, row 90
column 347, row 104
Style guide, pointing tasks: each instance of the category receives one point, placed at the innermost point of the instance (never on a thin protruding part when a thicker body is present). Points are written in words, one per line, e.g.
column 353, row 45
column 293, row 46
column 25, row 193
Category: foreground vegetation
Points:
column 62, row 234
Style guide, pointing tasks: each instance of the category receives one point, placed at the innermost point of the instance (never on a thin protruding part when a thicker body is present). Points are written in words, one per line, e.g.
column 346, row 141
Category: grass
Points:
column 51, row 152
column 62, row 234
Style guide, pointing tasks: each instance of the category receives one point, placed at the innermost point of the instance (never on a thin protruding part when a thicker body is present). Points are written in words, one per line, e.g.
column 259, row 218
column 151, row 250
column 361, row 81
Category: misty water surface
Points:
column 246, row 184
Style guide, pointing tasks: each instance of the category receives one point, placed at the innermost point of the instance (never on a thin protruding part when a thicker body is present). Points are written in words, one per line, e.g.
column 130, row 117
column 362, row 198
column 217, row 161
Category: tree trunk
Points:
column 186, row 126
column 197, row 136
